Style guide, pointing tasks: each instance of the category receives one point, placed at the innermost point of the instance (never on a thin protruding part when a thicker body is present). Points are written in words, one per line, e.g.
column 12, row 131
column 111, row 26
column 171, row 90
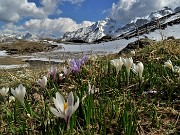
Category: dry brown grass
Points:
column 24, row 47
column 10, row 61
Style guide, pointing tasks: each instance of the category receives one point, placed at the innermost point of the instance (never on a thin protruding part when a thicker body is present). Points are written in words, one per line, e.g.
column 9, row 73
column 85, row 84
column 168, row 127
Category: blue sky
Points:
column 91, row 10
column 55, row 17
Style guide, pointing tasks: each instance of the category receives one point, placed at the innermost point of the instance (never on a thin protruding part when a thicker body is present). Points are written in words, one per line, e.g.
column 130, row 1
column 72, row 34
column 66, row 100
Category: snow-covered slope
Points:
column 110, row 28
column 140, row 21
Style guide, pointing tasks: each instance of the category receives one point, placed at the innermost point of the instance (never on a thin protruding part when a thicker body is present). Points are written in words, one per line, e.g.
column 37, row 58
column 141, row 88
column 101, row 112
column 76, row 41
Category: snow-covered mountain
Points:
column 15, row 36
column 112, row 29
column 94, row 32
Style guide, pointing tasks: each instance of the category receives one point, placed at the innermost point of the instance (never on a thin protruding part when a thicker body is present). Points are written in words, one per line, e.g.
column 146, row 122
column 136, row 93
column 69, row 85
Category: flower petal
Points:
column 13, row 92
column 44, row 81
column 56, row 113
column 59, row 102
column 76, row 105
column 68, row 113
column 70, row 99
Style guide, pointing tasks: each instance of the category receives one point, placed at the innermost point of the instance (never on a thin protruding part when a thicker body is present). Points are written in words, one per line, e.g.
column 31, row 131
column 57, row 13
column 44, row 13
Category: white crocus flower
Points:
column 42, row 82
column 19, row 93
column 64, row 109
column 4, row 91
column 128, row 64
column 117, row 63
column 138, row 69
column 11, row 99
column 92, row 90
column 169, row 65
column 177, row 69
column 132, row 53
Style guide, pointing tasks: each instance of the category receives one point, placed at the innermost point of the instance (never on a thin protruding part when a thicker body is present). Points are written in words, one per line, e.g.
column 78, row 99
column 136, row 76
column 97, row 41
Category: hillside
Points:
column 114, row 106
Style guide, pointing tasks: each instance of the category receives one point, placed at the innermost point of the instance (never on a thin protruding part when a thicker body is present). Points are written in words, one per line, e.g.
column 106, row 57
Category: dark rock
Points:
column 77, row 41
column 177, row 9
column 170, row 38
column 12, row 51
column 135, row 45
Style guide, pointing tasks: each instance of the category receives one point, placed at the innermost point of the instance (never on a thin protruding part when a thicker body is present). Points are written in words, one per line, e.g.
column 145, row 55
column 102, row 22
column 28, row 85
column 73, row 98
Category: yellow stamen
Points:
column 65, row 106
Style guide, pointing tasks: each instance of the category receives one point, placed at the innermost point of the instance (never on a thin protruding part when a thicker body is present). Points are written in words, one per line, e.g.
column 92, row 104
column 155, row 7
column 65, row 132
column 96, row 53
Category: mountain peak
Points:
column 160, row 13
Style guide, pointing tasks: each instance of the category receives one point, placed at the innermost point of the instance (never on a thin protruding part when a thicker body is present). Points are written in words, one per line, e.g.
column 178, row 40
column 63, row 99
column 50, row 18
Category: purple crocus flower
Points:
column 75, row 65
column 84, row 59
column 67, row 71
column 53, row 72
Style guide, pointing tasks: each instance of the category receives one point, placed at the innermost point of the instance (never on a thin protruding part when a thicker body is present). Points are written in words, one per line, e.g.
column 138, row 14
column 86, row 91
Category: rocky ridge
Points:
column 110, row 29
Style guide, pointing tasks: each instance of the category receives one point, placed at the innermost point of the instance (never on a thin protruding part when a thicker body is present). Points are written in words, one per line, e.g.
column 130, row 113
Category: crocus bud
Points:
column 42, row 82
column 4, row 91
column 169, row 64
column 132, row 53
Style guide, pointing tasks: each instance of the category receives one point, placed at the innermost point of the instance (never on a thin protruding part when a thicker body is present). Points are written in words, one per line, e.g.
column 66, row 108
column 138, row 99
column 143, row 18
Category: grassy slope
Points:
column 117, row 108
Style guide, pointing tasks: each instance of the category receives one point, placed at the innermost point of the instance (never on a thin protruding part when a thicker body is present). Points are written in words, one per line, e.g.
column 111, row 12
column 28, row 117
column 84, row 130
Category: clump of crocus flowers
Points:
column 128, row 63
column 76, row 64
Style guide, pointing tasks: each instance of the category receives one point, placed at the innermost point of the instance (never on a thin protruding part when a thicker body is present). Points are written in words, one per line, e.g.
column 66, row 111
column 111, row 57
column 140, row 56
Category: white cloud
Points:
column 53, row 26
column 14, row 10
column 125, row 10
column 11, row 28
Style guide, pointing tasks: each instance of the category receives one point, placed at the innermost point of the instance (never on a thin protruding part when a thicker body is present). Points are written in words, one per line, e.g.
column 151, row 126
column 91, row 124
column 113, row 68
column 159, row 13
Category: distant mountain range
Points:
column 16, row 36
column 109, row 29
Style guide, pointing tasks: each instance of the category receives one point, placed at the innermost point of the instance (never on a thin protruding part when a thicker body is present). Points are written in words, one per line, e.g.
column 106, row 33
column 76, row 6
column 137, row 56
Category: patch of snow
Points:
column 13, row 66
column 106, row 47
column 44, row 59
column 174, row 17
column 3, row 53
column 169, row 31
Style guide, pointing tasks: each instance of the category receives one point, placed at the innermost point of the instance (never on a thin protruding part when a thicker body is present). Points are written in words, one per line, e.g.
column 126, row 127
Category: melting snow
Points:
column 13, row 66
column 3, row 53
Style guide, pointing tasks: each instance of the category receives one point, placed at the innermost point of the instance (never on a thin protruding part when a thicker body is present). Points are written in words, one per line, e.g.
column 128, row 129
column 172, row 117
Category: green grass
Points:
column 117, row 108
